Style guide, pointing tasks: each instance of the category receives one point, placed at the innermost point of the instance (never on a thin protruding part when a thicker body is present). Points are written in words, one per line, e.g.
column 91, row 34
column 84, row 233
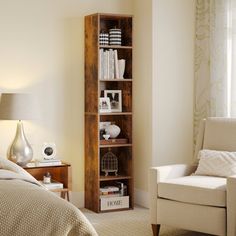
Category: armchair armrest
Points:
column 231, row 205
column 171, row 171
column 158, row 174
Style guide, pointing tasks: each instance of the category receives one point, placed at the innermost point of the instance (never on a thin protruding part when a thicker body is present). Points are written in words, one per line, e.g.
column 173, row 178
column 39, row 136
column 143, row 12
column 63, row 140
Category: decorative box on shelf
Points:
column 114, row 141
column 113, row 203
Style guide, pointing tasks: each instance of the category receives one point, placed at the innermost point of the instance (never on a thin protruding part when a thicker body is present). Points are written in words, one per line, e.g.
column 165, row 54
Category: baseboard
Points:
column 77, row 199
column 141, row 198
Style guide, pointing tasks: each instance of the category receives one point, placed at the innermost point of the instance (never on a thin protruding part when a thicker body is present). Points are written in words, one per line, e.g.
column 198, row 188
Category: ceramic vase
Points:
column 113, row 131
column 20, row 150
column 121, row 64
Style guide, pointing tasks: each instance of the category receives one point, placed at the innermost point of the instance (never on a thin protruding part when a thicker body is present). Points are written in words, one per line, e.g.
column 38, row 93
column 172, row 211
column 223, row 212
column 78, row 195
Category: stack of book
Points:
column 109, row 191
column 53, row 185
column 113, row 191
column 108, row 64
column 44, row 162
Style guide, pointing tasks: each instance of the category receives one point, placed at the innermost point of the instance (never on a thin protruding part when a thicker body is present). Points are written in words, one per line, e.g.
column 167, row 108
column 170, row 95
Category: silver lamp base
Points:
column 20, row 150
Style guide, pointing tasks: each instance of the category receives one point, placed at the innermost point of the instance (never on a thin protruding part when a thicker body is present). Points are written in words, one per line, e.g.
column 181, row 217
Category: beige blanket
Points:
column 28, row 209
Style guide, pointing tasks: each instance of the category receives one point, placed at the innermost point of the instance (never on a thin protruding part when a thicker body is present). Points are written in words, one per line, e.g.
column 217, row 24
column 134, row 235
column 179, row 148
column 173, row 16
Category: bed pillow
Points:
column 216, row 163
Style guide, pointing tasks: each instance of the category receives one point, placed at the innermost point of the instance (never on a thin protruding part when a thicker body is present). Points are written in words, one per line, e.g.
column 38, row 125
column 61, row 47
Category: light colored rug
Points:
column 130, row 223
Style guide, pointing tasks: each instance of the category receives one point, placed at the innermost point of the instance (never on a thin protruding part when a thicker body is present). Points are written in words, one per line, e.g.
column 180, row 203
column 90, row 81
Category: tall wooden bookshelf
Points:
column 94, row 87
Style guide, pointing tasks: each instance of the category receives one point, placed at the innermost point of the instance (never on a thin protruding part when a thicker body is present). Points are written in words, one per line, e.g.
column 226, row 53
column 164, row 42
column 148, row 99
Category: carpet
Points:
column 130, row 223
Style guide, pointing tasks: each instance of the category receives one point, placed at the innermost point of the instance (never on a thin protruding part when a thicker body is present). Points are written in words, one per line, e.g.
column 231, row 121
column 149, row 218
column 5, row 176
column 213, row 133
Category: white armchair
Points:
column 192, row 202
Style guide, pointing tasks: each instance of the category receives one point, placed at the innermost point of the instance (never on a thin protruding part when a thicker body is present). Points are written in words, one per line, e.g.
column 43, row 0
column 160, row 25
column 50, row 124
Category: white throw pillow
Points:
column 216, row 163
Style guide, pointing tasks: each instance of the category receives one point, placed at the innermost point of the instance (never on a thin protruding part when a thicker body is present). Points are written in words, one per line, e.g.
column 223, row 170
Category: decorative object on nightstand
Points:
column 15, row 106
column 47, row 178
column 49, row 151
column 49, row 154
column 109, row 163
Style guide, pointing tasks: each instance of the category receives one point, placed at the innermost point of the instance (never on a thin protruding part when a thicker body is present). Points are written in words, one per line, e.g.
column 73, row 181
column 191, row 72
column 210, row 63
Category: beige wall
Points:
column 173, row 82
column 42, row 51
column 142, row 95
column 163, row 88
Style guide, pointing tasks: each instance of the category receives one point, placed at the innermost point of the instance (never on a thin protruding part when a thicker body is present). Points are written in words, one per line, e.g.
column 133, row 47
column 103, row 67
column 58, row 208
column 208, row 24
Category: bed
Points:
column 29, row 209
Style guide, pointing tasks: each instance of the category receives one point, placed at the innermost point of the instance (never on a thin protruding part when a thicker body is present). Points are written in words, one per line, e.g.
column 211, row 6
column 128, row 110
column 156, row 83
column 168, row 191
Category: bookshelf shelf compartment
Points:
column 105, row 57
column 94, row 89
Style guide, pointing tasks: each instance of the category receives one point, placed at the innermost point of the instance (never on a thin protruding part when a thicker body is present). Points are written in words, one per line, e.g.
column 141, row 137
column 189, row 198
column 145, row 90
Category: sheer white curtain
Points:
column 215, row 60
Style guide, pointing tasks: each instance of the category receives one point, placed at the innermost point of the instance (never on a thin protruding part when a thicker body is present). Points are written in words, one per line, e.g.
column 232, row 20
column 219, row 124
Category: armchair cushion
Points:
column 201, row 190
column 220, row 134
column 216, row 163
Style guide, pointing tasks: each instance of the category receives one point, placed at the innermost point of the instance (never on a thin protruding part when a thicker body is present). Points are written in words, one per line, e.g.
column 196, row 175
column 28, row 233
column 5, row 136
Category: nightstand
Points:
column 60, row 173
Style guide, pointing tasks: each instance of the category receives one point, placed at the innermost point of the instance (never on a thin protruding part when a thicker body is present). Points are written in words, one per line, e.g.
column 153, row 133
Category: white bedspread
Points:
column 28, row 209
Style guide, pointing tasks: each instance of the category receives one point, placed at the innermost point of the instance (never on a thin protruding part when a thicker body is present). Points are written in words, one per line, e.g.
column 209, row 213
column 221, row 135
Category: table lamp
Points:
column 15, row 106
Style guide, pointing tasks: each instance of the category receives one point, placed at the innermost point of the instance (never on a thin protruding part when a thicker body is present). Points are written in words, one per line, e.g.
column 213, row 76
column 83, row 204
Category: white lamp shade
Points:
column 15, row 106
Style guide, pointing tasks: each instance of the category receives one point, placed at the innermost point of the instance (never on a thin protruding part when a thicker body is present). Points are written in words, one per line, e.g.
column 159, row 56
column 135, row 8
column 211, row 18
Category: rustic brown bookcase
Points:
column 94, row 86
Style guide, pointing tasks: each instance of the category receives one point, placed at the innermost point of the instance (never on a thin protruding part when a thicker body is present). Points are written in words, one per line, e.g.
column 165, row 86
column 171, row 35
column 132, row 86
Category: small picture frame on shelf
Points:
column 115, row 97
column 102, row 126
column 104, row 105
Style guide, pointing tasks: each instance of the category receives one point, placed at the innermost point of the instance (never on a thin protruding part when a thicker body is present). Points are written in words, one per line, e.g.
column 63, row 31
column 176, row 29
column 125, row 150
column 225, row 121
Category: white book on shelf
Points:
column 105, row 66
column 109, row 189
column 117, row 75
column 112, row 65
column 108, row 60
column 100, row 69
column 109, row 63
column 111, row 195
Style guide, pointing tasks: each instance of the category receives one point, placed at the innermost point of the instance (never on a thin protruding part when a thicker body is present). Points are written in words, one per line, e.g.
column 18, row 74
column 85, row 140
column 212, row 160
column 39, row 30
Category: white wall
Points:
column 142, row 97
column 163, row 86
column 42, row 51
column 173, row 81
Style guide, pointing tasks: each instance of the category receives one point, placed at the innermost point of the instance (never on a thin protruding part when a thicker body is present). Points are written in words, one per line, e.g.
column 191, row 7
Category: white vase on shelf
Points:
column 121, row 64
column 113, row 131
